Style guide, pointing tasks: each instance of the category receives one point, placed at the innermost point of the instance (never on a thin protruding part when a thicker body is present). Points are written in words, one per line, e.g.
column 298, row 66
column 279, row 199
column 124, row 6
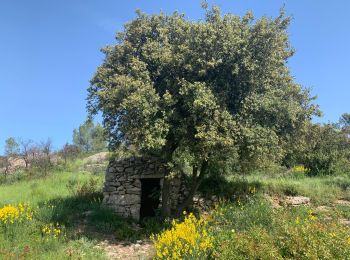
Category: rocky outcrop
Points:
column 296, row 200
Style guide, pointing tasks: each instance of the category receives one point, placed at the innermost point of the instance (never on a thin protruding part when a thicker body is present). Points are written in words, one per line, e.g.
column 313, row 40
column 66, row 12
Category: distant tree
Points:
column 12, row 147
column 42, row 156
column 326, row 147
column 69, row 152
column 89, row 137
column 344, row 123
column 195, row 93
column 46, row 148
column 26, row 147
column 4, row 165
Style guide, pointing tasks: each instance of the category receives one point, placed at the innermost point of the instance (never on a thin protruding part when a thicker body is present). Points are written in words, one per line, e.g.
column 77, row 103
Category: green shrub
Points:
column 242, row 216
column 229, row 189
column 256, row 231
column 312, row 239
column 255, row 244
column 88, row 188
column 342, row 182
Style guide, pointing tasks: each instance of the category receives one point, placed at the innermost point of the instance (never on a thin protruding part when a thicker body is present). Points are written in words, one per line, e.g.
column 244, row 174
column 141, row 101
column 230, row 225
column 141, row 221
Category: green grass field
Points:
column 52, row 202
column 69, row 220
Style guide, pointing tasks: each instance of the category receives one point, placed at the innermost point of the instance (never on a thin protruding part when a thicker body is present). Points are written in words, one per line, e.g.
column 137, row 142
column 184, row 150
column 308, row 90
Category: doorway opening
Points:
column 150, row 197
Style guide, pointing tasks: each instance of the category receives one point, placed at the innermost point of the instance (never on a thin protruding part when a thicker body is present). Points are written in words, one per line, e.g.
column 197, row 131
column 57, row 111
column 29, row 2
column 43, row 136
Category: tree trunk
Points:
column 25, row 158
column 196, row 181
column 168, row 154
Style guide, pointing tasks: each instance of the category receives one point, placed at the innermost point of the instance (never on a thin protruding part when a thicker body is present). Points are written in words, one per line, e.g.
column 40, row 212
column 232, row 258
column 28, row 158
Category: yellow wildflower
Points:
column 186, row 239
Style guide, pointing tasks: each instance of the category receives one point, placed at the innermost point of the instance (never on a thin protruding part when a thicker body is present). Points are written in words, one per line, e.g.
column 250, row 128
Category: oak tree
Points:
column 198, row 92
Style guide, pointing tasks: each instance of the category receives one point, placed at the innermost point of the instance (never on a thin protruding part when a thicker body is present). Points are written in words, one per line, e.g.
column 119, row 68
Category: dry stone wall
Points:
column 122, row 189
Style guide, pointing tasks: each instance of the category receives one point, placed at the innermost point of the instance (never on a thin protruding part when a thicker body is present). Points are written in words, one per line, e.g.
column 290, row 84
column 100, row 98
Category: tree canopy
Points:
column 202, row 91
column 12, row 147
column 89, row 137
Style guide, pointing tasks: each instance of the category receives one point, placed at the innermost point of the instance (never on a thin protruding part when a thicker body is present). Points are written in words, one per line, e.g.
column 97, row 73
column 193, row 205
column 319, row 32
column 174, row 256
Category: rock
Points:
column 342, row 202
column 120, row 188
column 275, row 201
column 109, row 188
column 110, row 177
column 323, row 208
column 327, row 219
column 129, row 170
column 134, row 191
column 296, row 200
column 135, row 212
column 344, row 221
column 116, row 199
column 119, row 169
column 137, row 183
column 122, row 179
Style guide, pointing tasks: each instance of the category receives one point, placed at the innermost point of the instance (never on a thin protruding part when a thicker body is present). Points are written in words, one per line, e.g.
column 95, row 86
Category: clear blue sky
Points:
column 49, row 50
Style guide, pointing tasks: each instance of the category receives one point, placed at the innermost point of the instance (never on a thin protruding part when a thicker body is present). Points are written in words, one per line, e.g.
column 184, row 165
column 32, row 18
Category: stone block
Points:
column 110, row 177
column 129, row 170
column 120, row 188
column 131, row 199
column 134, row 191
column 117, row 200
column 137, row 183
column 121, row 179
column 119, row 169
column 135, row 212
column 109, row 188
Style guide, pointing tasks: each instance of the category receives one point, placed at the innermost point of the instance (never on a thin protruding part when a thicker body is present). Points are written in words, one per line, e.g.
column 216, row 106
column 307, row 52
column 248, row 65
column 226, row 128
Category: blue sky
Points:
column 49, row 51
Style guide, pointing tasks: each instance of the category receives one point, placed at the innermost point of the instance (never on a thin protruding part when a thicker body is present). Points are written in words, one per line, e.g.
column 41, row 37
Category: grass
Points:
column 73, row 200
column 254, row 230
column 48, row 197
column 322, row 190
column 40, row 190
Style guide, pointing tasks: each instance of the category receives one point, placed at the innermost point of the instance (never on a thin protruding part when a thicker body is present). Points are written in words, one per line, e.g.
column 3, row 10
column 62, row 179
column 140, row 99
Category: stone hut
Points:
column 133, row 187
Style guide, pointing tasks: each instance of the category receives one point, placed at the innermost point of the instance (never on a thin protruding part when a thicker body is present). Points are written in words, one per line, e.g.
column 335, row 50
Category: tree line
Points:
column 41, row 156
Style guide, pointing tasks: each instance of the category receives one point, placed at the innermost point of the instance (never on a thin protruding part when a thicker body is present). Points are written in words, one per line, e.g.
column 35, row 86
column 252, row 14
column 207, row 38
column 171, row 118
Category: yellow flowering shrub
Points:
column 51, row 231
column 185, row 240
column 252, row 190
column 299, row 169
column 11, row 214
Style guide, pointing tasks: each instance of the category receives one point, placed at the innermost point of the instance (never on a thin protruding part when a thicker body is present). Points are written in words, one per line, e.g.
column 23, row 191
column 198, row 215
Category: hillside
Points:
column 69, row 220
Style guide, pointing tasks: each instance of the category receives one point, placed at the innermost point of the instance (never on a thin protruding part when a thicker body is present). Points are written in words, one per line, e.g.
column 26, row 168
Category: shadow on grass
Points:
column 86, row 216
column 238, row 188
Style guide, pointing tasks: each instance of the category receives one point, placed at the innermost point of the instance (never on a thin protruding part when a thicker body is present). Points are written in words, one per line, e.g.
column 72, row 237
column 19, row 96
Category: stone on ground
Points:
column 296, row 200
column 342, row 202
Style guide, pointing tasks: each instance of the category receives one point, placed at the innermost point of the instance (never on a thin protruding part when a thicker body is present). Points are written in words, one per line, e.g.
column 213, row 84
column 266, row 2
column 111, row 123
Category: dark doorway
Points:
column 150, row 195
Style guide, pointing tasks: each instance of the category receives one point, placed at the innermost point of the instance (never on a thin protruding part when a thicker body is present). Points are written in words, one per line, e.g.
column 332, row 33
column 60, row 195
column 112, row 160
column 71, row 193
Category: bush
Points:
column 21, row 220
column 90, row 188
column 312, row 239
column 185, row 240
column 239, row 217
column 229, row 189
column 259, row 232
column 255, row 244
